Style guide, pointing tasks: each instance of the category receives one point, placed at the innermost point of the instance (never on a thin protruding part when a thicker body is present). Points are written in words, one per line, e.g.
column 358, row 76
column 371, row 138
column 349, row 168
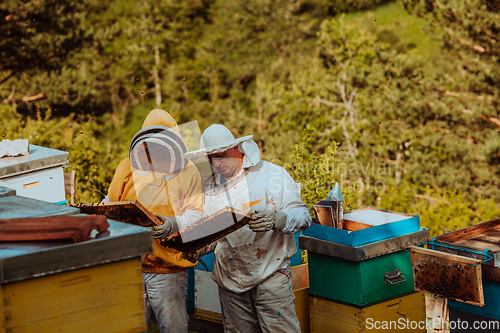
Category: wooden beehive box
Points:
column 207, row 230
column 60, row 286
column 473, row 242
column 300, row 285
column 395, row 315
column 124, row 211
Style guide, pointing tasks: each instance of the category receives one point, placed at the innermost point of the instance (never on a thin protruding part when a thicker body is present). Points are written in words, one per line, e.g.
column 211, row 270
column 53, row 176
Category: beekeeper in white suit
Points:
column 252, row 265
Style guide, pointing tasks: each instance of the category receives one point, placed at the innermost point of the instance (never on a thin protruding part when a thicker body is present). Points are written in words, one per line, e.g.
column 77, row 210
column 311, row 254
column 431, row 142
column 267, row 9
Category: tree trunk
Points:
column 156, row 76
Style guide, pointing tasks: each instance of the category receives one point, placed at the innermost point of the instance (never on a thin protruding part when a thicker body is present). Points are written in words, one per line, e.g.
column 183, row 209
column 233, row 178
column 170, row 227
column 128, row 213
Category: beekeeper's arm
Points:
column 188, row 208
column 291, row 216
column 194, row 256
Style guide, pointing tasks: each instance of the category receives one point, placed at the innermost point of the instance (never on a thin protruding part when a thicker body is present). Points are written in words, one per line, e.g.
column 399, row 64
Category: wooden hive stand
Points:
column 69, row 185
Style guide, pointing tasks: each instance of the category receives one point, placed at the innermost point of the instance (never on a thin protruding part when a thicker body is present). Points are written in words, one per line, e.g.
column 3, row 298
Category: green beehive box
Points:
column 360, row 283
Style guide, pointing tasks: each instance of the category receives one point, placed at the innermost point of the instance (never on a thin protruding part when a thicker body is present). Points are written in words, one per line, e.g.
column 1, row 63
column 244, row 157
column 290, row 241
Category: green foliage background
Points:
column 397, row 101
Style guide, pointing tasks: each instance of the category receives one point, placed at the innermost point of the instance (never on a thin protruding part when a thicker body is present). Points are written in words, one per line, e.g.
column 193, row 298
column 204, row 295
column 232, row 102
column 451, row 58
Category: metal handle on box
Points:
column 393, row 276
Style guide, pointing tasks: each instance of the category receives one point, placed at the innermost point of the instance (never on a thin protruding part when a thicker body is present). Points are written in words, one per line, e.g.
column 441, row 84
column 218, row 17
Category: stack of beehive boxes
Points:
column 360, row 277
column 464, row 266
column 62, row 286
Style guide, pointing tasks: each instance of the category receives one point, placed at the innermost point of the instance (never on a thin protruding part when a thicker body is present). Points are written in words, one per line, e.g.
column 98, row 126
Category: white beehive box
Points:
column 38, row 175
column 206, row 297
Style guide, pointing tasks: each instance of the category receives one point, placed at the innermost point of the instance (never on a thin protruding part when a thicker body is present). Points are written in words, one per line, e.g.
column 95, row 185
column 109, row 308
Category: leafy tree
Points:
column 313, row 172
column 91, row 58
column 419, row 126
column 44, row 46
column 153, row 36
column 246, row 40
column 39, row 35
column 462, row 92
column 388, row 104
column 332, row 95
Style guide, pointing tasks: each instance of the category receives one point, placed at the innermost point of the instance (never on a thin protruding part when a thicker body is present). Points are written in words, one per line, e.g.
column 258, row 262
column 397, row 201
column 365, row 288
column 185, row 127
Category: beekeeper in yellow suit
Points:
column 252, row 264
column 157, row 175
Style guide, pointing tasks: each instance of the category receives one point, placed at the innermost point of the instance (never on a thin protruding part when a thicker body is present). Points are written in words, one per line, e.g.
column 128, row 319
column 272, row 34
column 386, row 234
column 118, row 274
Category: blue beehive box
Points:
column 372, row 225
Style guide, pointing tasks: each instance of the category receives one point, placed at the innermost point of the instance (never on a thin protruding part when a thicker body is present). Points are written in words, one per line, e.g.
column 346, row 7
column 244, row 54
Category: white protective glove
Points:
column 265, row 220
column 168, row 227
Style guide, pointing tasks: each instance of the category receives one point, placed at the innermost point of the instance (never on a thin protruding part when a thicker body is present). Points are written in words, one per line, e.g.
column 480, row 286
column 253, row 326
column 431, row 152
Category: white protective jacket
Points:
column 245, row 258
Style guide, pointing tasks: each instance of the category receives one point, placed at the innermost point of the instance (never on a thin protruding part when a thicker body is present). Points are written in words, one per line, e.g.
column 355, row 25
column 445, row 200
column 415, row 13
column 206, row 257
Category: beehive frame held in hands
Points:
column 124, row 211
column 201, row 233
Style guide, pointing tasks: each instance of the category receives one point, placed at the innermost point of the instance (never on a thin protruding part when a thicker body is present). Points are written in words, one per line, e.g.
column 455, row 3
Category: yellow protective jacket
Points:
column 184, row 192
